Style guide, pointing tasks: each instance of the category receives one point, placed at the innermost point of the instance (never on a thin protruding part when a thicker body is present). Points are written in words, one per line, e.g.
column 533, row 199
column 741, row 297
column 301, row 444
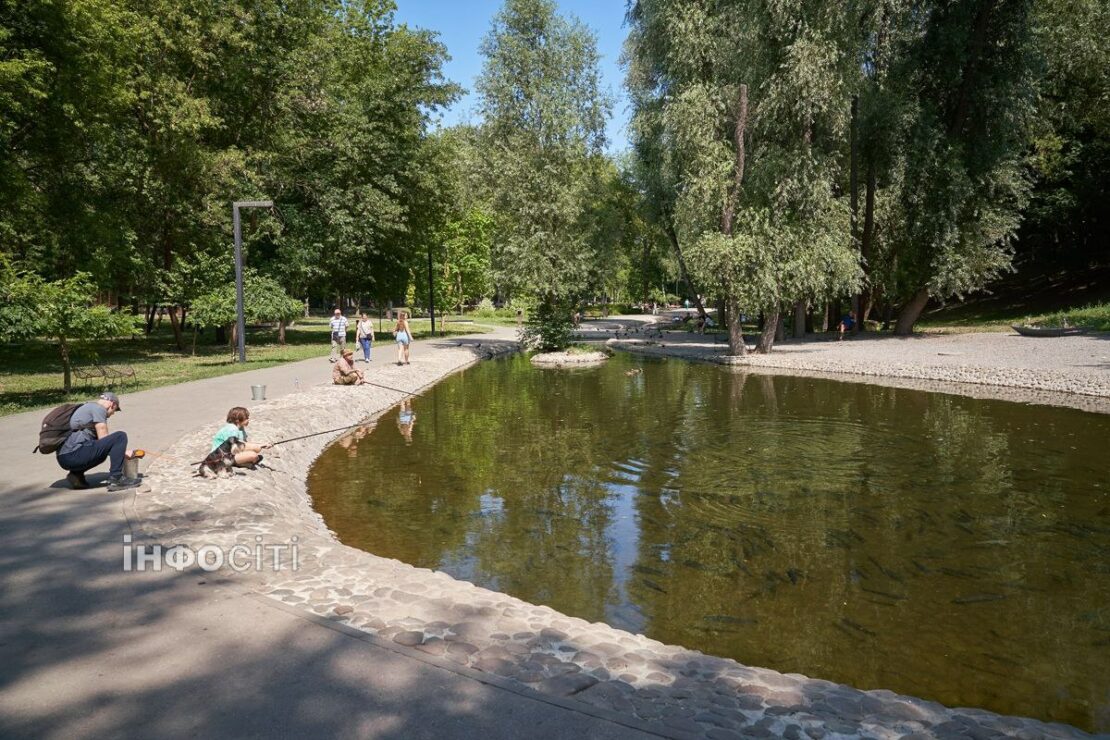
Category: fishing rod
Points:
column 349, row 426
column 337, row 429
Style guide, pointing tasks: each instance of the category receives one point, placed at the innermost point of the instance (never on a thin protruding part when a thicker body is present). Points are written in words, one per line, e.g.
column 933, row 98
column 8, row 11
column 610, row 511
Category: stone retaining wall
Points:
column 681, row 693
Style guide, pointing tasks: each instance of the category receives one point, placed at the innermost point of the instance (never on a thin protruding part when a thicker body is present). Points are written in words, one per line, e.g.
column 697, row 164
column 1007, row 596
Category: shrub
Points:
column 548, row 327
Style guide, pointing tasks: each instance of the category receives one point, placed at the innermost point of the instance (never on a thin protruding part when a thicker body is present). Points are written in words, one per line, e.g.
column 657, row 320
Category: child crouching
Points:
column 230, row 445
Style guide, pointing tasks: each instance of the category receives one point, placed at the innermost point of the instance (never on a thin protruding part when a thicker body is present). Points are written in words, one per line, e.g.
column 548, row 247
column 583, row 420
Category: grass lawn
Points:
column 31, row 372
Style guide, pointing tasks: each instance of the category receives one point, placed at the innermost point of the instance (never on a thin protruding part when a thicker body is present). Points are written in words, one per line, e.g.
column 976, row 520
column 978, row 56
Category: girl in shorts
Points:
column 404, row 337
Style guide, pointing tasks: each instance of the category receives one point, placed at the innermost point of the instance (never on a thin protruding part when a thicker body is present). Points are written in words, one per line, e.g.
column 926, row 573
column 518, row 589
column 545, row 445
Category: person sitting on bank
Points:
column 89, row 444
column 847, row 323
column 234, row 435
column 344, row 372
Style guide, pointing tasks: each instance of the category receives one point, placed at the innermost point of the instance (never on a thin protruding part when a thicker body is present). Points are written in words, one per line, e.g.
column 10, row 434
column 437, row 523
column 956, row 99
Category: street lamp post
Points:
column 240, row 318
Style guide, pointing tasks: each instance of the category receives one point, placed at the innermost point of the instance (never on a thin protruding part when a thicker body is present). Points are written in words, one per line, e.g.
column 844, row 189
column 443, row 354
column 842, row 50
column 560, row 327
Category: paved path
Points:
column 87, row 650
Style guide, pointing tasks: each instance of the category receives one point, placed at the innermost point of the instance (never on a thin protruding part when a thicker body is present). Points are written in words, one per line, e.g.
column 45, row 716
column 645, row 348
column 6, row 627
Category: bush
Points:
column 548, row 327
column 485, row 309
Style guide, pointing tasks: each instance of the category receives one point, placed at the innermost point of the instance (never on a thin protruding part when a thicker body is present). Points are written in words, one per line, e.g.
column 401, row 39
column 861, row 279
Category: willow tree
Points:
column 946, row 99
column 544, row 130
column 744, row 106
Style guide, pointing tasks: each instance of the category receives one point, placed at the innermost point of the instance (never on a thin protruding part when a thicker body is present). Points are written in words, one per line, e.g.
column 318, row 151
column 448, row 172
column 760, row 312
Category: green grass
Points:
column 1094, row 317
column 31, row 372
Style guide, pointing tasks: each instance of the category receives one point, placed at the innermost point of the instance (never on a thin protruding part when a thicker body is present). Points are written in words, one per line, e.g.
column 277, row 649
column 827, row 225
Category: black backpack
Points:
column 55, row 428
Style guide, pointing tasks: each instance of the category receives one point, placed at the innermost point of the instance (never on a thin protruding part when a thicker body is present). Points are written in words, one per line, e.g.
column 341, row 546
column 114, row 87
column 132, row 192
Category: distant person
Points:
column 338, row 335
column 686, row 303
column 344, row 372
column 519, row 319
column 89, row 444
column 306, row 308
column 403, row 335
column 406, row 419
column 847, row 323
column 364, row 333
column 232, row 437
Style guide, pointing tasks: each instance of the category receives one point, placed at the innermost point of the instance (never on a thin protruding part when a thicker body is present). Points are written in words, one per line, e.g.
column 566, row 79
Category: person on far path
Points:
column 404, row 338
column 364, row 333
column 344, row 372
column 90, row 444
column 338, row 335
column 846, row 324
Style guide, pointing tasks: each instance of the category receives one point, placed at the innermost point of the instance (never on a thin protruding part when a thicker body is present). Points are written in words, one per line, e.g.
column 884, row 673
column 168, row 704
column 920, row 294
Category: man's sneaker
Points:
column 119, row 483
column 77, row 481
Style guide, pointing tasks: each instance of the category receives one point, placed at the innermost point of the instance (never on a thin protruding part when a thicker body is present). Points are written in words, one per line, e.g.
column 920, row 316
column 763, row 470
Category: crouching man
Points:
column 89, row 444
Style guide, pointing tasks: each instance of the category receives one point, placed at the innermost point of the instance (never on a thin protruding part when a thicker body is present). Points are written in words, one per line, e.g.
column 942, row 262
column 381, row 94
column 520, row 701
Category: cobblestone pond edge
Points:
column 665, row 689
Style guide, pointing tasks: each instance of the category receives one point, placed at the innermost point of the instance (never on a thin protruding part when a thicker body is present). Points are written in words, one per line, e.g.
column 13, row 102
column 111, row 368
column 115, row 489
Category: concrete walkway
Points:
column 87, row 650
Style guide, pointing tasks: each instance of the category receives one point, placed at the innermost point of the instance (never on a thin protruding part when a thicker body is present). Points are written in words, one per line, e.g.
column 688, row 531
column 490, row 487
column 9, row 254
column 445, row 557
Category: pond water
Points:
column 936, row 545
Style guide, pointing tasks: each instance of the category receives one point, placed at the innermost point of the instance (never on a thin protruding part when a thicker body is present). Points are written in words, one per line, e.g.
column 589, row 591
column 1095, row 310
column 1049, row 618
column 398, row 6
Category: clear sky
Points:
column 462, row 24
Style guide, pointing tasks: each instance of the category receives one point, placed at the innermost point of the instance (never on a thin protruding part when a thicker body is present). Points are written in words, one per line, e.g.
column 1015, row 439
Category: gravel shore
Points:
column 1047, row 370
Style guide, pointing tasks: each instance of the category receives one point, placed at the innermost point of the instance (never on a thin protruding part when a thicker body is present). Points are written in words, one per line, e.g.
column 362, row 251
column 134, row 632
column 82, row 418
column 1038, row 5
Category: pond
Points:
column 936, row 545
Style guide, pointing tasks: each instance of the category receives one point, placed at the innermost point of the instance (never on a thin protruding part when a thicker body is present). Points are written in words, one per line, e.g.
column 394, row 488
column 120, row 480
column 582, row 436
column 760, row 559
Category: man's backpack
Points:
column 55, row 428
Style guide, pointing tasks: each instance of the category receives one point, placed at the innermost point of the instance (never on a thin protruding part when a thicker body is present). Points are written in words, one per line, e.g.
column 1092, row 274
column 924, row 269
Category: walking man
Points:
column 89, row 444
column 338, row 335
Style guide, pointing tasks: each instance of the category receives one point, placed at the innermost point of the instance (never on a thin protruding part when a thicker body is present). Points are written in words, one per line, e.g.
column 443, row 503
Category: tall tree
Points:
column 544, row 126
column 744, row 103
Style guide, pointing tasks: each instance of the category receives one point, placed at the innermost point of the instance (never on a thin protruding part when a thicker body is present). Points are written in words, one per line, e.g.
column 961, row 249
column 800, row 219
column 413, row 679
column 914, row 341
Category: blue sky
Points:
column 462, row 24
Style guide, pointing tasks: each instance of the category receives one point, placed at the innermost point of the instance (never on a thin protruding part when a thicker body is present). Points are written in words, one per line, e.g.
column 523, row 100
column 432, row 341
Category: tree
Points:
column 264, row 300
column 64, row 310
column 967, row 70
column 743, row 105
column 543, row 130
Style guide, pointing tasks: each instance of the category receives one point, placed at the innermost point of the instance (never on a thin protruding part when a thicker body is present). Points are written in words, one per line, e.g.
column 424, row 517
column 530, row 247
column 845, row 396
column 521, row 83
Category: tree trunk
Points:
column 177, row 340
column 194, row 339
column 911, row 312
column 736, row 345
column 233, row 332
column 150, row 311
column 780, row 329
column 799, row 320
column 824, row 318
column 770, row 329
column 669, row 228
column 67, row 368
column 733, row 197
column 281, row 332
column 866, row 299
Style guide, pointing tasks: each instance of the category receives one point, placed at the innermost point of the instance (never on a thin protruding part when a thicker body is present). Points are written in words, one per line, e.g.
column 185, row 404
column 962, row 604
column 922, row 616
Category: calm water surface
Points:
column 945, row 547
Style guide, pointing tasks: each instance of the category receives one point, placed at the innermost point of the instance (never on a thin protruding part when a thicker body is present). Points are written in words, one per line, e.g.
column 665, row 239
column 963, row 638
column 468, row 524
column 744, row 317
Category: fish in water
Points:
column 729, row 619
column 856, row 626
column 634, row 371
column 654, row 586
column 977, row 598
column 643, row 569
column 794, row 575
column 888, row 573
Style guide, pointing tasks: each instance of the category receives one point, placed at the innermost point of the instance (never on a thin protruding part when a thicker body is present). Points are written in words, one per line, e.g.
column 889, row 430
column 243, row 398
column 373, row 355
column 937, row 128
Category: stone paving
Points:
column 679, row 692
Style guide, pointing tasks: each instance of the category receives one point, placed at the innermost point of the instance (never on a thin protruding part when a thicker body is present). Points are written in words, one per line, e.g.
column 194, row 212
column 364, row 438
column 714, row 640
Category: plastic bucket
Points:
column 131, row 467
column 258, row 393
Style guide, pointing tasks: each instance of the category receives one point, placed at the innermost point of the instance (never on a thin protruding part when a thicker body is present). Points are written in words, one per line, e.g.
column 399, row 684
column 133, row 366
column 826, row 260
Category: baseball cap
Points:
column 109, row 396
